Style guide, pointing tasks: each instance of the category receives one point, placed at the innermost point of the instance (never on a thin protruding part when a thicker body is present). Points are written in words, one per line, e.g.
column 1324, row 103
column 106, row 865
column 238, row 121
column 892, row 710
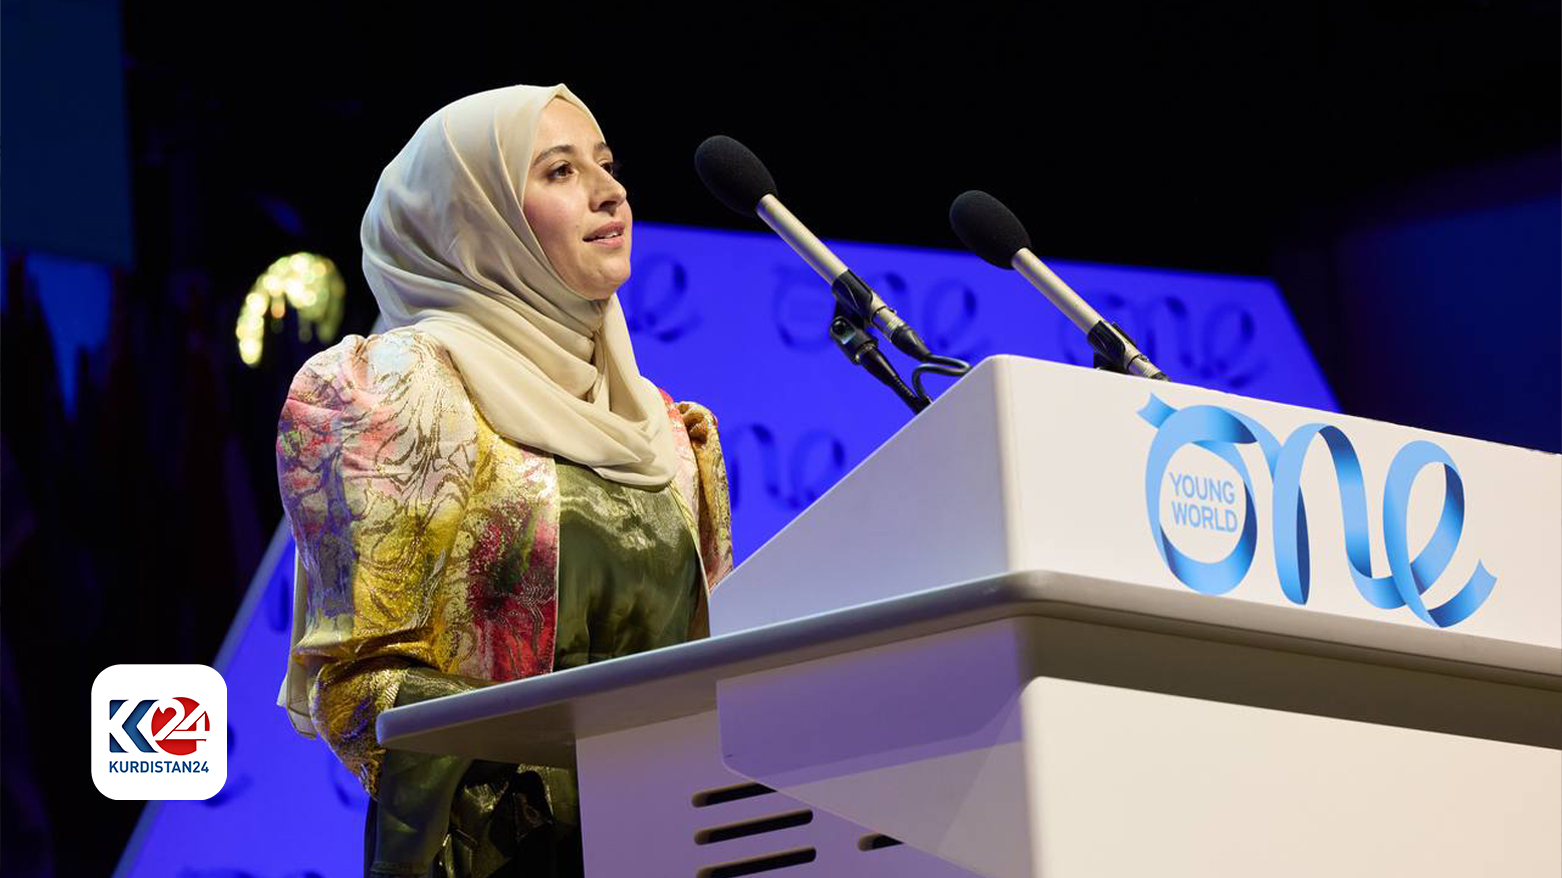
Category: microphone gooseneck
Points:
column 741, row 181
column 993, row 232
column 791, row 230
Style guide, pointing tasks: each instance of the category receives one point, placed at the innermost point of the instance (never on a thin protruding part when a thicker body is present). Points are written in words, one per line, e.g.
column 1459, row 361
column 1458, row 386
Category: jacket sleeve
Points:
column 715, row 508
column 374, row 459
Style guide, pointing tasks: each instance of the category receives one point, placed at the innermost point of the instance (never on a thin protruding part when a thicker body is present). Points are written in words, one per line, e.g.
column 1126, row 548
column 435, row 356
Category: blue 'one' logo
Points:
column 1220, row 430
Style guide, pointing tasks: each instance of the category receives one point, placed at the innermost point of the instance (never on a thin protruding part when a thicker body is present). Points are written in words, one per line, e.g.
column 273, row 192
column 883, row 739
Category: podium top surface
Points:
column 664, row 684
column 1029, row 465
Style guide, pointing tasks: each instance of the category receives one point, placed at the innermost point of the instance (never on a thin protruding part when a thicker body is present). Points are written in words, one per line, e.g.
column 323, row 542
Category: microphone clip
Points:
column 853, row 293
column 851, row 335
column 1116, row 351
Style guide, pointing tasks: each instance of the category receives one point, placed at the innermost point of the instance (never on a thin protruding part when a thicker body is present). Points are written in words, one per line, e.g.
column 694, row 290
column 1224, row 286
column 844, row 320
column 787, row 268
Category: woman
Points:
column 489, row 489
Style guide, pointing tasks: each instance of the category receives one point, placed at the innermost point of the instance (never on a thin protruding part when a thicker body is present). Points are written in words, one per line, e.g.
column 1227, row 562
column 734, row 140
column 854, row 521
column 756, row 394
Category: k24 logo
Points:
column 175, row 726
column 159, row 732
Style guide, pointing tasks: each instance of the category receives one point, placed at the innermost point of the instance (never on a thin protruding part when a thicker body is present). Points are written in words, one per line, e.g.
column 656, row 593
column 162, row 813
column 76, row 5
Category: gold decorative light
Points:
column 310, row 284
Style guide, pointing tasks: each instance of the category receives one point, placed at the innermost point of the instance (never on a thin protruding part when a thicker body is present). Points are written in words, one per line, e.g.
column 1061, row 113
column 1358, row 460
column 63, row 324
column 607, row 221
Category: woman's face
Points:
column 575, row 205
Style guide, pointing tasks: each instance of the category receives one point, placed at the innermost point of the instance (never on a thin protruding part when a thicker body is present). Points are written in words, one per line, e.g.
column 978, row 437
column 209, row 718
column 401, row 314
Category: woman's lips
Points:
column 612, row 243
column 616, row 228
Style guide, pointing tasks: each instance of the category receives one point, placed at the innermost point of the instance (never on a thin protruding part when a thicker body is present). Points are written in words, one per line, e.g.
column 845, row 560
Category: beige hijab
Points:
column 447, row 248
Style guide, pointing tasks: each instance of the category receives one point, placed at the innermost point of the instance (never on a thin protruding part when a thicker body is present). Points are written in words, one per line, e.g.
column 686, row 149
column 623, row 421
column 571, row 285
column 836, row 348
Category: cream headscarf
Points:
column 447, row 248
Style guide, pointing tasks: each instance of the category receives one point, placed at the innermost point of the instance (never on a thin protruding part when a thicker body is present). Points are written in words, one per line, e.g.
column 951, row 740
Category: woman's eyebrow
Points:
column 566, row 149
column 553, row 150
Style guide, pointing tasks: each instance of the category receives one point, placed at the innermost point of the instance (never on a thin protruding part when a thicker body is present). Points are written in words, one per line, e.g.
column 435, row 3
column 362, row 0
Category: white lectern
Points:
column 1070, row 623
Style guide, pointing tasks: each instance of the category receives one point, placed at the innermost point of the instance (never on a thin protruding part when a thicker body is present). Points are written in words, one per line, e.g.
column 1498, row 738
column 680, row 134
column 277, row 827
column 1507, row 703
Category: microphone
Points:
column 993, row 232
column 740, row 180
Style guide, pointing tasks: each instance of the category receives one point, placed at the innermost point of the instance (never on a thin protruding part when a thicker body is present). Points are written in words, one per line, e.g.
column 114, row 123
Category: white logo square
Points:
column 159, row 732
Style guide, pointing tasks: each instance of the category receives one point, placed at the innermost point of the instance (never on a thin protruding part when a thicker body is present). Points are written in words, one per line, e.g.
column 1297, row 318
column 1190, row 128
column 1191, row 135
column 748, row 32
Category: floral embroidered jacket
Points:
column 425, row 539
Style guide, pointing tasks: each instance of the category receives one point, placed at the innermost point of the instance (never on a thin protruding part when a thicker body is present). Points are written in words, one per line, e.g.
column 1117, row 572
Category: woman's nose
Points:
column 608, row 192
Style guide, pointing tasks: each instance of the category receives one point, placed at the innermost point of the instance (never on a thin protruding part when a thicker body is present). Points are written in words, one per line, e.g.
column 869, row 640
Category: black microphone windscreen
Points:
column 987, row 228
column 732, row 173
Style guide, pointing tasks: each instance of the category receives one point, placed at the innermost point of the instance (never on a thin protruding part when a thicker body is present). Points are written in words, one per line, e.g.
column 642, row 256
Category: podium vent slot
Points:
column 723, row 795
column 753, row 827
column 756, row 865
column 876, row 841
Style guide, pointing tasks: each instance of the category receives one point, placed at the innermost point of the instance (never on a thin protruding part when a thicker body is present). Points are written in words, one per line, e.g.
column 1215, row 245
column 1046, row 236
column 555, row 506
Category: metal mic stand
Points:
column 851, row 335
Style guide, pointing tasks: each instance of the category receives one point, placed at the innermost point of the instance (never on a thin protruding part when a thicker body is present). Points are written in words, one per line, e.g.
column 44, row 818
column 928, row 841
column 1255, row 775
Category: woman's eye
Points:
column 559, row 171
column 614, row 168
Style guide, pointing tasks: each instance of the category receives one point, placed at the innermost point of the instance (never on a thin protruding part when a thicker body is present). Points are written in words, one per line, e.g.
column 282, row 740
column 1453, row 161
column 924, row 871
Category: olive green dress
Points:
column 629, row 580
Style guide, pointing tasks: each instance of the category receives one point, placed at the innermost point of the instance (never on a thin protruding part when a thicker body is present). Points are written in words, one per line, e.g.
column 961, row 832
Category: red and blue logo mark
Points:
column 173, row 726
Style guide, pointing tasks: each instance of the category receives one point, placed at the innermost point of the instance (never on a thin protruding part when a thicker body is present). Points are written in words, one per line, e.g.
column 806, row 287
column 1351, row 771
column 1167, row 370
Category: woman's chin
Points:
column 602, row 293
column 615, row 282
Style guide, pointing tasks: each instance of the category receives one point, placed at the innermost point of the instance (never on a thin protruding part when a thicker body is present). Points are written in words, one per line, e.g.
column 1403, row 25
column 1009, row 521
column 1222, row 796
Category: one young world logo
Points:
column 1199, row 496
column 159, row 732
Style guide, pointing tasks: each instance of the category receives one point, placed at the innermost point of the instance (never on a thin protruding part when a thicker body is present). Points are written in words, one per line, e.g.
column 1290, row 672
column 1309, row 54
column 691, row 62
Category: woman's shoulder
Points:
column 397, row 364
column 387, row 391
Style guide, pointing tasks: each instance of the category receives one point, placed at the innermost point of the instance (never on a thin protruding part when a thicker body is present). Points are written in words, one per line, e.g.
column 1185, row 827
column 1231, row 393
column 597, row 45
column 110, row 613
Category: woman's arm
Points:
column 374, row 472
